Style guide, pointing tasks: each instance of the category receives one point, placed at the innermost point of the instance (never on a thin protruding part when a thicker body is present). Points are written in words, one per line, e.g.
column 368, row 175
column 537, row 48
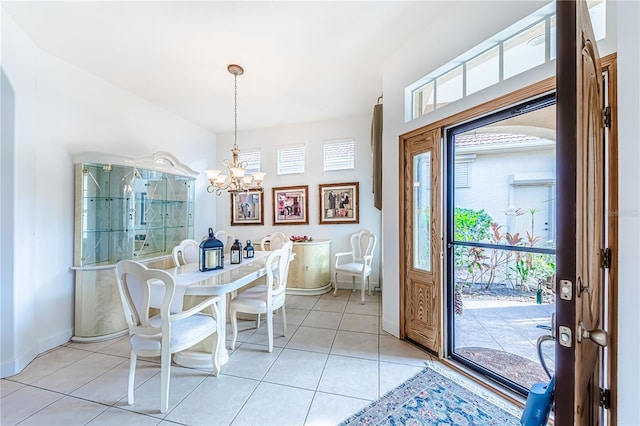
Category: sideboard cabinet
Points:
column 125, row 208
column 310, row 270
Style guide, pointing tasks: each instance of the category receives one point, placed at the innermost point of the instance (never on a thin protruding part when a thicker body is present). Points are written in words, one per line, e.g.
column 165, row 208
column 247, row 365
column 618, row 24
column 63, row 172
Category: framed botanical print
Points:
column 290, row 205
column 247, row 208
column 339, row 203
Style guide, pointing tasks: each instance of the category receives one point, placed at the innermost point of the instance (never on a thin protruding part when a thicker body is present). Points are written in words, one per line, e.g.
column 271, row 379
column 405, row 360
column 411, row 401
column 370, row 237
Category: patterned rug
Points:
column 430, row 398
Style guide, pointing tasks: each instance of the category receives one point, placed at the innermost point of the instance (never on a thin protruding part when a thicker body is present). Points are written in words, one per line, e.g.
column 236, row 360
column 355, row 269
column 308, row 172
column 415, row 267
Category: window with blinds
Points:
column 252, row 157
column 290, row 159
column 462, row 174
column 339, row 154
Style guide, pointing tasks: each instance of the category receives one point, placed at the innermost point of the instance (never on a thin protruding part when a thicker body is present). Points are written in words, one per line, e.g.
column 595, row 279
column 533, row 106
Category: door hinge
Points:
column 605, row 258
column 606, row 117
column 605, row 398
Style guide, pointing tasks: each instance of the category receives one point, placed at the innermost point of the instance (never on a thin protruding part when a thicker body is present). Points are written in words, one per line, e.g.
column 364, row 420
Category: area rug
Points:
column 430, row 398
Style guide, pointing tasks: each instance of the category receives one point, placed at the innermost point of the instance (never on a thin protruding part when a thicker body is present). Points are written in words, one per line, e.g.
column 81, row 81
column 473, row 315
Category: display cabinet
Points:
column 125, row 208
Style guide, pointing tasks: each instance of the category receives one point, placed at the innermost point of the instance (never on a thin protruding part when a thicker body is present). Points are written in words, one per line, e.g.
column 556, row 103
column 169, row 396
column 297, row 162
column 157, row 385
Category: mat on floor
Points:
column 430, row 398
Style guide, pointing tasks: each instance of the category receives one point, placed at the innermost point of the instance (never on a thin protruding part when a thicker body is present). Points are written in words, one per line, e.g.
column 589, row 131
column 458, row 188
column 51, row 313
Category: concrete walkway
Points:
column 505, row 325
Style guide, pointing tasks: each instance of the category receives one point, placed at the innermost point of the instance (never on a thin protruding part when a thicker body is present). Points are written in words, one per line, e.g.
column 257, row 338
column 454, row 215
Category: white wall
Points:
column 629, row 213
column 54, row 111
column 411, row 62
column 312, row 135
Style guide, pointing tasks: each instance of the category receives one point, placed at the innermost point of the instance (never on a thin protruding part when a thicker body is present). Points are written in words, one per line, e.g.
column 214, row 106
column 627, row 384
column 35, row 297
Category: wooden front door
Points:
column 421, row 239
column 580, row 283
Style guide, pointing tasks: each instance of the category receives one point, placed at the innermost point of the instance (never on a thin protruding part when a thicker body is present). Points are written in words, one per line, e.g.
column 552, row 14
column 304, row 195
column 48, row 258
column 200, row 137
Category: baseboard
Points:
column 15, row 366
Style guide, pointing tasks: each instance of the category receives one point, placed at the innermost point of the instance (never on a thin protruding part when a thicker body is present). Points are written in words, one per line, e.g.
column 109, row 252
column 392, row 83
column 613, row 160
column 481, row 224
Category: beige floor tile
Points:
column 322, row 319
column 94, row 346
column 330, row 305
column 361, row 323
column 113, row 416
column 216, row 401
column 49, row 362
column 297, row 368
column 401, row 352
column 67, row 411
column 274, row 405
column 312, row 339
column 392, row 375
column 301, row 302
column 327, row 409
column 347, row 376
column 7, row 387
column 111, row 387
column 147, row 396
column 25, row 402
column 250, row 361
column 294, row 316
column 359, row 345
column 80, row 373
column 357, row 295
column 260, row 337
column 120, row 347
column 356, row 307
column 341, row 295
column 245, row 330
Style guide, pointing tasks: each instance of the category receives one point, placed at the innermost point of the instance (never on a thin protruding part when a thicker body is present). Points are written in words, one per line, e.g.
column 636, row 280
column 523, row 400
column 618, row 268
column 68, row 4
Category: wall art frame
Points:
column 339, row 203
column 247, row 208
column 291, row 205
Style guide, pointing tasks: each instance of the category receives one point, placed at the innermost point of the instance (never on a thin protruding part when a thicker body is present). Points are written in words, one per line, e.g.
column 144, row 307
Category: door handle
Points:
column 597, row 336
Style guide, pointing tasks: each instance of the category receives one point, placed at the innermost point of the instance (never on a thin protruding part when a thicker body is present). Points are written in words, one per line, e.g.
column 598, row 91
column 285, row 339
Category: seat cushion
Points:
column 254, row 300
column 184, row 333
column 353, row 268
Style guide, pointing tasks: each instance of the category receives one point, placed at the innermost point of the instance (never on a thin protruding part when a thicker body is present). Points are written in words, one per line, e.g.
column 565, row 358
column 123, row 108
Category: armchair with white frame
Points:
column 363, row 244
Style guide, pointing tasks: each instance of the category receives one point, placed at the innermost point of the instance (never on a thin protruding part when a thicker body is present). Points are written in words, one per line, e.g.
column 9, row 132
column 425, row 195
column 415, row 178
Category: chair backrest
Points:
column 276, row 241
column 227, row 239
column 277, row 266
column 135, row 293
column 363, row 244
column 186, row 252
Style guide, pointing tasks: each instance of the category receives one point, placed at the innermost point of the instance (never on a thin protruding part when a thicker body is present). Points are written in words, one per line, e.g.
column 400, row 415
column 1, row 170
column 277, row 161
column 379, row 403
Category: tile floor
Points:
column 334, row 361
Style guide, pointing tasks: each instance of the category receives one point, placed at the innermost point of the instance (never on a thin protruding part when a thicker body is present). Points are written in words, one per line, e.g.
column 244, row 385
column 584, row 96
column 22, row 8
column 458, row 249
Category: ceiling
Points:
column 304, row 61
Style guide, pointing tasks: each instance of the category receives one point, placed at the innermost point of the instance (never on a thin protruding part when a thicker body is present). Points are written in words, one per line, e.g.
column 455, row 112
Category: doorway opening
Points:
column 501, row 238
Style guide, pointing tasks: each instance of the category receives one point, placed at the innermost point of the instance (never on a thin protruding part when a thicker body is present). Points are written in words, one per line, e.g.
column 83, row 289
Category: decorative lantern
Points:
column 236, row 252
column 211, row 253
column 248, row 250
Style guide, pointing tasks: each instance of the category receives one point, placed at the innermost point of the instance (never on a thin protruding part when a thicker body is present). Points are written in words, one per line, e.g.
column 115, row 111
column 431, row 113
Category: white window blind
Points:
column 339, row 155
column 290, row 159
column 252, row 157
column 462, row 175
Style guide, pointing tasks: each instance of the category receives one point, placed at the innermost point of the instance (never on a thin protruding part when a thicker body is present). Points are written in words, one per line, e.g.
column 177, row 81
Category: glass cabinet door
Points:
column 130, row 213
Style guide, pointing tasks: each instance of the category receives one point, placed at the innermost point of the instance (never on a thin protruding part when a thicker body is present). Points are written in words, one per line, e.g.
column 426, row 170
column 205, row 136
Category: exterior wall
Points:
column 55, row 111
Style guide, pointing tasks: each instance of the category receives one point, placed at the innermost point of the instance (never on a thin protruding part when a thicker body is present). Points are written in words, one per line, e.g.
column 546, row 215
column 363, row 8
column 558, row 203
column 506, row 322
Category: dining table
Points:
column 192, row 286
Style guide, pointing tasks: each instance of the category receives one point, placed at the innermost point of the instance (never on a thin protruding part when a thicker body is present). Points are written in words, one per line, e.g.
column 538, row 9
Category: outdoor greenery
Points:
column 483, row 267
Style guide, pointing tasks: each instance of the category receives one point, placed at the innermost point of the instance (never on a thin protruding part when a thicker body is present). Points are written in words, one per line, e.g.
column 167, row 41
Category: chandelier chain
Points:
column 235, row 110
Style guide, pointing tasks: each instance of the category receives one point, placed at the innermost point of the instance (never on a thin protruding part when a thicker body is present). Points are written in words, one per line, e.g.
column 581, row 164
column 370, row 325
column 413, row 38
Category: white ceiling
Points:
column 304, row 61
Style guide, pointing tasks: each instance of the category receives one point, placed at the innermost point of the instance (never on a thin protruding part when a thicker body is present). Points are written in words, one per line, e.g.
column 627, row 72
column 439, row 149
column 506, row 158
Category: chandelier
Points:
column 236, row 180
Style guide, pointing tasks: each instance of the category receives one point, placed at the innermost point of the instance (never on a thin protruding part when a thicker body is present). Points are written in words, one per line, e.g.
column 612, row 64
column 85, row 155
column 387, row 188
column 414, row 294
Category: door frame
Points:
column 548, row 85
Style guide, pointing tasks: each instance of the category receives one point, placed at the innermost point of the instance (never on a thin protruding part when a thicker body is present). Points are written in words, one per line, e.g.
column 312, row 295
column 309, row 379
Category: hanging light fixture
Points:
column 236, row 181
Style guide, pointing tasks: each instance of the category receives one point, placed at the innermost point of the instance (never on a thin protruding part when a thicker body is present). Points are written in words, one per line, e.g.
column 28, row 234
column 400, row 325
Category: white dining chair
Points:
column 276, row 240
column 227, row 239
column 358, row 264
column 186, row 252
column 167, row 332
column 266, row 298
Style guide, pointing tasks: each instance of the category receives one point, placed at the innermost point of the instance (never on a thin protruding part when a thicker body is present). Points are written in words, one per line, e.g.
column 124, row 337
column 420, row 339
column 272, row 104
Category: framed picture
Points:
column 247, row 208
column 339, row 203
column 290, row 205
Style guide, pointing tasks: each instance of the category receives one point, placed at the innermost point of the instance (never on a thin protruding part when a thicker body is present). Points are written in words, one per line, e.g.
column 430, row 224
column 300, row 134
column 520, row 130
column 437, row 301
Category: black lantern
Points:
column 236, row 252
column 248, row 250
column 211, row 253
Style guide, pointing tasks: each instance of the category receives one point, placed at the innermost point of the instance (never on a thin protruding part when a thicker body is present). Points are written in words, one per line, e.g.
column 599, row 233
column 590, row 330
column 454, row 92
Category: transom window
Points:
column 526, row 44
